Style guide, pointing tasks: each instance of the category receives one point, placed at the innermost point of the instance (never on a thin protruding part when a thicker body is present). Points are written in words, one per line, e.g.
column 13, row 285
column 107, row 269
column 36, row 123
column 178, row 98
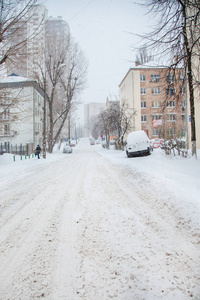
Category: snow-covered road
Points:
column 86, row 228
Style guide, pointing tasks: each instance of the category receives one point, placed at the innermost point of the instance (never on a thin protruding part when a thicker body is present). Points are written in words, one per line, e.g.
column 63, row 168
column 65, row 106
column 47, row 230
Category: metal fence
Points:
column 16, row 149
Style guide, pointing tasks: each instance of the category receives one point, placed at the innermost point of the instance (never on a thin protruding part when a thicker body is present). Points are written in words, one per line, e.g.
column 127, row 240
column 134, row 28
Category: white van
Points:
column 138, row 143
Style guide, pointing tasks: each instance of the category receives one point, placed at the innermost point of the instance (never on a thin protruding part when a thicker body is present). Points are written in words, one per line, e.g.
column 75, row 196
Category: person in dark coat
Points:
column 37, row 151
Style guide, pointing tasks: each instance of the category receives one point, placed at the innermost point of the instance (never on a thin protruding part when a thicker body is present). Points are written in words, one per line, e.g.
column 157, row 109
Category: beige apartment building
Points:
column 156, row 98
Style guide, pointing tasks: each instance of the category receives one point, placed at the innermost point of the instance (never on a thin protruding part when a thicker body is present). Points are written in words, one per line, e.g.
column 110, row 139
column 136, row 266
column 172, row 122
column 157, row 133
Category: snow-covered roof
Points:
column 16, row 81
column 151, row 64
column 14, row 78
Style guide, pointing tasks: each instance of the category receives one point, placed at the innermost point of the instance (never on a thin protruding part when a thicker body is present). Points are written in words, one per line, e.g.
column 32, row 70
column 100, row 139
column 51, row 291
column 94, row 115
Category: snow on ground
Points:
column 95, row 225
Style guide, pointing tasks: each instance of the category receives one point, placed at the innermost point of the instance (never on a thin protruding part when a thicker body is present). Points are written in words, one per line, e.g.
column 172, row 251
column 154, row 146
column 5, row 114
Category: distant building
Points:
column 115, row 107
column 112, row 104
column 28, row 59
column 21, row 111
column 56, row 31
column 91, row 111
column 157, row 100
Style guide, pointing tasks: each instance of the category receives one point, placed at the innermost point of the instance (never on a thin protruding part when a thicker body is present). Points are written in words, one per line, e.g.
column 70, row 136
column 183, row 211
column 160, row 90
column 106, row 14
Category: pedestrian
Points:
column 37, row 151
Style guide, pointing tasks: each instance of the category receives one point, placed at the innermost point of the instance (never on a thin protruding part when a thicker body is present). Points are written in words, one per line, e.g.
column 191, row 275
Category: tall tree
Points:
column 63, row 79
column 115, row 119
column 176, row 39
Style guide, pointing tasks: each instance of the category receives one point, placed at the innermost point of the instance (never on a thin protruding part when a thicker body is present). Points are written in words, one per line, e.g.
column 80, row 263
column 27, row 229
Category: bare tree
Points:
column 117, row 120
column 62, row 81
column 177, row 36
column 143, row 56
column 14, row 17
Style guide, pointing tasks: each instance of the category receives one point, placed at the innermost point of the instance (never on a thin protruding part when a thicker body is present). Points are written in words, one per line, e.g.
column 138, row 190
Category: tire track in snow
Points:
column 29, row 238
column 118, row 244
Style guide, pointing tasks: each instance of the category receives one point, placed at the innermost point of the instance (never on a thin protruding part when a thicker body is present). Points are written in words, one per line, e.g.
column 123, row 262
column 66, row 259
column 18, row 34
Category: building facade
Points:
column 21, row 115
column 91, row 111
column 56, row 31
column 29, row 59
column 157, row 99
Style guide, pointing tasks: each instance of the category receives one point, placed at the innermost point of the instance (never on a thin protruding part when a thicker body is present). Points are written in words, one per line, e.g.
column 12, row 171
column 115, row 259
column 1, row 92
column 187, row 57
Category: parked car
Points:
column 112, row 142
column 92, row 142
column 97, row 141
column 156, row 143
column 138, row 143
column 67, row 149
column 72, row 144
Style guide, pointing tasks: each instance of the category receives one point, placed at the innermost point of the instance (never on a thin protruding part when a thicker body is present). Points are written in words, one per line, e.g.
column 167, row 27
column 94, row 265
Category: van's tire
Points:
column 127, row 154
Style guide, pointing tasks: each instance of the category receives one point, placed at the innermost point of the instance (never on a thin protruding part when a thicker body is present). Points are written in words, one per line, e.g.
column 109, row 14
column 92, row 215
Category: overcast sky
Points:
column 102, row 29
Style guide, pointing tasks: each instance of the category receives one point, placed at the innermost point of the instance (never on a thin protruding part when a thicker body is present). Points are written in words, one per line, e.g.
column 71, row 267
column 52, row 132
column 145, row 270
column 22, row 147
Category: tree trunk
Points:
column 190, row 82
column 60, row 129
column 50, row 137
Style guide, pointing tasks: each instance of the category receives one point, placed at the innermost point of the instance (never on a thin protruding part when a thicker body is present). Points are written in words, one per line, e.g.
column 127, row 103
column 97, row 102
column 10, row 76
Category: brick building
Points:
column 157, row 99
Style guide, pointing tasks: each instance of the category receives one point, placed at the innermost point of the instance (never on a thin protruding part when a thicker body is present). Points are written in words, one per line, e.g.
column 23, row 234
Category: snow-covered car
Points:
column 92, row 142
column 67, row 149
column 138, row 143
column 97, row 141
column 112, row 142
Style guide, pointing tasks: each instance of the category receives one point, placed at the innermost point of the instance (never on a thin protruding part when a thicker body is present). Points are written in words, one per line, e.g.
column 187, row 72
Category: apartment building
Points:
column 21, row 111
column 29, row 58
column 196, row 106
column 91, row 111
column 56, row 31
column 156, row 98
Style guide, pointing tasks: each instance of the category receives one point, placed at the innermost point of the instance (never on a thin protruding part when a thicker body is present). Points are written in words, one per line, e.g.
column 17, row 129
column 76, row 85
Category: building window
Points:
column 142, row 78
column 155, row 77
column 181, row 77
column 6, row 129
column 182, row 104
column 183, row 118
column 156, row 132
column 143, row 104
column 182, row 90
column 6, row 114
column 156, row 91
column 170, row 78
column 156, row 104
column 143, row 118
column 156, row 117
column 171, row 103
column 170, row 91
column 143, row 91
column 171, row 132
column 171, row 117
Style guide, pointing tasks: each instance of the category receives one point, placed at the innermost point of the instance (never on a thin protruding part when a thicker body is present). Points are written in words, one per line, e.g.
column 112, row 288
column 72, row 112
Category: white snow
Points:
column 97, row 225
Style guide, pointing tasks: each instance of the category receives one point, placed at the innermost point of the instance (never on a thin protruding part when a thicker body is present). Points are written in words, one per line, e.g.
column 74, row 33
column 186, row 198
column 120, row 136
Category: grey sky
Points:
column 102, row 29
